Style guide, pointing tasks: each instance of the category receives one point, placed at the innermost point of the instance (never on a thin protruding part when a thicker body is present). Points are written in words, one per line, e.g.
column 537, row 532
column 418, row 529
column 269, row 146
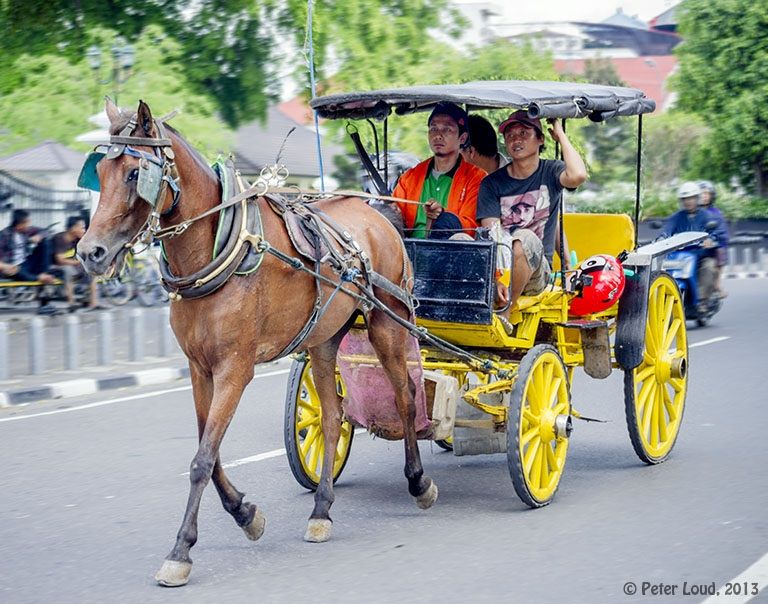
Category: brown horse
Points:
column 250, row 319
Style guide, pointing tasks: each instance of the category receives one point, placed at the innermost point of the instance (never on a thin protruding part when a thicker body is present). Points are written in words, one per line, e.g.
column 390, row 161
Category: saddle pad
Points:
column 370, row 398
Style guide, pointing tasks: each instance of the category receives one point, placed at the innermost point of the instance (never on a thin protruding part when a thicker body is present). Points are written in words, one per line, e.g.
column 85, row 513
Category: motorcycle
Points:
column 682, row 265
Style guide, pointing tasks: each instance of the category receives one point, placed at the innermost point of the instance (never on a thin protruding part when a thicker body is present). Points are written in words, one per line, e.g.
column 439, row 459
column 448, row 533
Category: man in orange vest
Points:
column 445, row 186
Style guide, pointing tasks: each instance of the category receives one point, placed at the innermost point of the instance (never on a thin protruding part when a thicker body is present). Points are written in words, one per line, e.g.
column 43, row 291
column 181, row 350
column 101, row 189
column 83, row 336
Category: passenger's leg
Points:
column 445, row 225
column 706, row 278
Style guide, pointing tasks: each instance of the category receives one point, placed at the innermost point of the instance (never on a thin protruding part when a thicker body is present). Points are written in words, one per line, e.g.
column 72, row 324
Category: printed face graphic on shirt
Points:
column 527, row 211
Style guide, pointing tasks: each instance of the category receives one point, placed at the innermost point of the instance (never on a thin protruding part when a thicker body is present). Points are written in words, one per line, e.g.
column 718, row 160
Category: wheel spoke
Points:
column 671, row 334
column 677, row 384
column 308, row 408
column 670, row 406
column 530, row 455
column 309, row 384
column 654, row 437
column 312, row 434
column 644, row 374
column 307, row 421
column 662, row 417
column 530, row 417
column 545, row 473
column 648, row 409
column 554, row 390
column 535, row 475
column 528, row 435
column 561, row 408
column 552, row 460
column 669, row 301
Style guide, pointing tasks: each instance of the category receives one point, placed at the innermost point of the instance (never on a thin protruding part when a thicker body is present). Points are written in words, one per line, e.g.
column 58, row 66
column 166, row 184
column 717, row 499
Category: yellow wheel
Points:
column 539, row 426
column 654, row 391
column 304, row 442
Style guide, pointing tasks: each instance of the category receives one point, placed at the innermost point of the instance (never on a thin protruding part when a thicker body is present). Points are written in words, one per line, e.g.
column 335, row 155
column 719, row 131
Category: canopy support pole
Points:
column 312, row 84
column 637, row 173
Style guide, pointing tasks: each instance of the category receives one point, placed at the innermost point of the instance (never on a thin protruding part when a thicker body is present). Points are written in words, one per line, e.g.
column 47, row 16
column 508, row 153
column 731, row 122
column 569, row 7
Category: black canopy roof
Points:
column 541, row 99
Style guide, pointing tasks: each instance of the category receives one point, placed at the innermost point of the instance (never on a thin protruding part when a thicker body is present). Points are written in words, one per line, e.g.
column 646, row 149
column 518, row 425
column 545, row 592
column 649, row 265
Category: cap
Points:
column 521, row 117
column 453, row 111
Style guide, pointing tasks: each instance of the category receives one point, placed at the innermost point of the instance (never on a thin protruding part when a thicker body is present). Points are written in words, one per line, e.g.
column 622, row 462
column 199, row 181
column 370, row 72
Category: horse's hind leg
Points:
column 389, row 340
column 324, row 376
column 215, row 403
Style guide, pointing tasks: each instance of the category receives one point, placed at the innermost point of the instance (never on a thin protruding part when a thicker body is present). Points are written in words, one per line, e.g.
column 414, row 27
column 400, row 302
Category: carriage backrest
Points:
column 590, row 234
column 454, row 281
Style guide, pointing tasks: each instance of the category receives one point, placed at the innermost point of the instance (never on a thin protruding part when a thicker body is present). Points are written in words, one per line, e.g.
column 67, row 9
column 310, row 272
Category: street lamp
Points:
column 123, row 56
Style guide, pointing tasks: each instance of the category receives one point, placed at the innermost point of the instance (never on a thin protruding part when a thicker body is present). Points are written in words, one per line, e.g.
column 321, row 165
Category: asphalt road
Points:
column 93, row 490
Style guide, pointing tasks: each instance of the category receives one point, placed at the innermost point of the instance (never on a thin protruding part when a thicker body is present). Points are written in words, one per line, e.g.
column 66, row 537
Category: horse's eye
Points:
column 132, row 175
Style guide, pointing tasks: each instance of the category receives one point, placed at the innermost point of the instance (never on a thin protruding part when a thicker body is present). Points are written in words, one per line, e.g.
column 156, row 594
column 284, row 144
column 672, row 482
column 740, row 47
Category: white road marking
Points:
column 712, row 341
column 261, row 456
column 123, row 399
column 757, row 573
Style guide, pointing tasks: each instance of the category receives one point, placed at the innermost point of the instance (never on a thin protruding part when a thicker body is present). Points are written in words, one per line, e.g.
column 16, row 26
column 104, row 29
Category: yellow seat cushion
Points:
column 590, row 234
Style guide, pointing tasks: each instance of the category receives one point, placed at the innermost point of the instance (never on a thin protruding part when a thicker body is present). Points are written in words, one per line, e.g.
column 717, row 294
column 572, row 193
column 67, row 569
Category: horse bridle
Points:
column 156, row 173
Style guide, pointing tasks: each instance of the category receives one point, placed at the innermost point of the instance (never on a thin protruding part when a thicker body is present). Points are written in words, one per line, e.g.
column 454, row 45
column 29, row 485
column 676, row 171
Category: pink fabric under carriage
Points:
column 370, row 399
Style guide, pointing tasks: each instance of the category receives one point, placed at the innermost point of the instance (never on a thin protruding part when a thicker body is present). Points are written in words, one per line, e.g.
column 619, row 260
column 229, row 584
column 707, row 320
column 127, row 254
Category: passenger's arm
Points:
column 575, row 172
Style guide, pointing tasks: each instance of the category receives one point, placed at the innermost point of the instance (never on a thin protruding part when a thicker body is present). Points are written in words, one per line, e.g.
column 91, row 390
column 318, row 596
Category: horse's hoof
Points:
column 255, row 528
column 173, row 573
column 318, row 530
column 427, row 499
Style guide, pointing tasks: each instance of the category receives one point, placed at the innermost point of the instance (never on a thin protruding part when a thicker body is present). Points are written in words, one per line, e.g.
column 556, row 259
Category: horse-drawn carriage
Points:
column 504, row 385
column 269, row 271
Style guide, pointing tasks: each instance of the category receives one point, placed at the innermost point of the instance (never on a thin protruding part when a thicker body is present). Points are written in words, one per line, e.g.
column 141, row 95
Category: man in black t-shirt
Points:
column 521, row 202
column 66, row 262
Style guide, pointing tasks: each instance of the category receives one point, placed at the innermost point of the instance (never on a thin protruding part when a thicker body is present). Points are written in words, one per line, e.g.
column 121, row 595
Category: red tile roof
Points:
column 649, row 74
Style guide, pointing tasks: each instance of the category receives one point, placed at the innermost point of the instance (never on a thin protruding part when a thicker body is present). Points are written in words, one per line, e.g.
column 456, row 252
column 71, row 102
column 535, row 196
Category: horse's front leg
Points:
column 227, row 388
column 324, row 376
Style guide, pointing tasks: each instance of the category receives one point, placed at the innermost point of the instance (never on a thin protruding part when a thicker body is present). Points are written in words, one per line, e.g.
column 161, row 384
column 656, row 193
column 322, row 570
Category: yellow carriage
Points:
column 504, row 385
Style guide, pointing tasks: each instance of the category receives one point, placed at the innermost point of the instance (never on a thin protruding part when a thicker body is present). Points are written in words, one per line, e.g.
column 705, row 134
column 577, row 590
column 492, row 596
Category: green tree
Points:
column 227, row 46
column 612, row 144
column 51, row 101
column 722, row 78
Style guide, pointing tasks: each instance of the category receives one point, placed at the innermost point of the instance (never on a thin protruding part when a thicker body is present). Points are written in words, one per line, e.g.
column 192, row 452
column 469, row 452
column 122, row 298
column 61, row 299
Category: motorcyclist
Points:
column 707, row 200
column 693, row 217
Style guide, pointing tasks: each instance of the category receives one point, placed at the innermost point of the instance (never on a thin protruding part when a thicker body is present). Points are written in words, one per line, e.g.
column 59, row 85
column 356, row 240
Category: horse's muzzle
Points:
column 95, row 258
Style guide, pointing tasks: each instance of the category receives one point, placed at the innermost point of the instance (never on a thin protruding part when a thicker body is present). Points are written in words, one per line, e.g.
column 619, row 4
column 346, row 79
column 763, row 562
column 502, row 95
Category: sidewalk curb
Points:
column 83, row 387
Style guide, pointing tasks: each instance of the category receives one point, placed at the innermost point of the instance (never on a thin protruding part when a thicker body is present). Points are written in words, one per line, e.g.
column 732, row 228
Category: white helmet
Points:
column 689, row 189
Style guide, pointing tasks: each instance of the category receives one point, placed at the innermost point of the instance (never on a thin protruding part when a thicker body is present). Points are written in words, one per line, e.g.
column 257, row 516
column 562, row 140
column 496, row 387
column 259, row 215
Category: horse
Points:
column 249, row 319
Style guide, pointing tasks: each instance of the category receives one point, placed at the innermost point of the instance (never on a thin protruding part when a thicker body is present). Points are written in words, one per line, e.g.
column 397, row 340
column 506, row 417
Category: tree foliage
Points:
column 722, row 78
column 55, row 96
column 226, row 45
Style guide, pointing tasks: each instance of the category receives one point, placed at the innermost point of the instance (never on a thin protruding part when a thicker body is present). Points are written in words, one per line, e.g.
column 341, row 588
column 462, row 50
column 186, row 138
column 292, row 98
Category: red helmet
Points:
column 599, row 282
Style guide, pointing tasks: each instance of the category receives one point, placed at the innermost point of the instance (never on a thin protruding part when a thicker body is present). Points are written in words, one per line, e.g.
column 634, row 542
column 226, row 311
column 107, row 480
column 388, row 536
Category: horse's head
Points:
column 132, row 175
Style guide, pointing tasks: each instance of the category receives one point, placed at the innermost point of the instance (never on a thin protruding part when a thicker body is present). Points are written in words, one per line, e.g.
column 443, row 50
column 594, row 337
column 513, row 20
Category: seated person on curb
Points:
column 445, row 185
column 64, row 260
column 15, row 241
column 694, row 217
column 482, row 149
column 520, row 203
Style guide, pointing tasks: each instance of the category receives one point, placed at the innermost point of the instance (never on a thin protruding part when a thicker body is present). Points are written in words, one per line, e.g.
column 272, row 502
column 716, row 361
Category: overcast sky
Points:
column 517, row 11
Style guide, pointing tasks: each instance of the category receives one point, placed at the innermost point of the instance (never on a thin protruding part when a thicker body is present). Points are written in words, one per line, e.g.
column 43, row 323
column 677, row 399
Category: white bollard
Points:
column 747, row 259
column 166, row 334
column 105, row 338
column 761, row 260
column 136, row 334
column 36, row 346
column 71, row 342
column 4, row 370
column 731, row 259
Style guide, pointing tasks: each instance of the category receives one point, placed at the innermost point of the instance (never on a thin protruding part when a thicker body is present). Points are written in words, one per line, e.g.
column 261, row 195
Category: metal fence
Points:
column 46, row 206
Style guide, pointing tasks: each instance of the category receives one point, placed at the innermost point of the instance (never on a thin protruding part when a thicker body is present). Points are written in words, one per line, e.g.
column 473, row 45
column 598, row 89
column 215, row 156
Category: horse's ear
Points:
column 144, row 118
column 113, row 111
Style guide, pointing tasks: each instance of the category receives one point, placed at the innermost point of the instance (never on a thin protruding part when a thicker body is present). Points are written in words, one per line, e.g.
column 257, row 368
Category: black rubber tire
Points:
column 516, row 405
column 630, row 406
column 300, row 371
column 118, row 291
column 445, row 444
